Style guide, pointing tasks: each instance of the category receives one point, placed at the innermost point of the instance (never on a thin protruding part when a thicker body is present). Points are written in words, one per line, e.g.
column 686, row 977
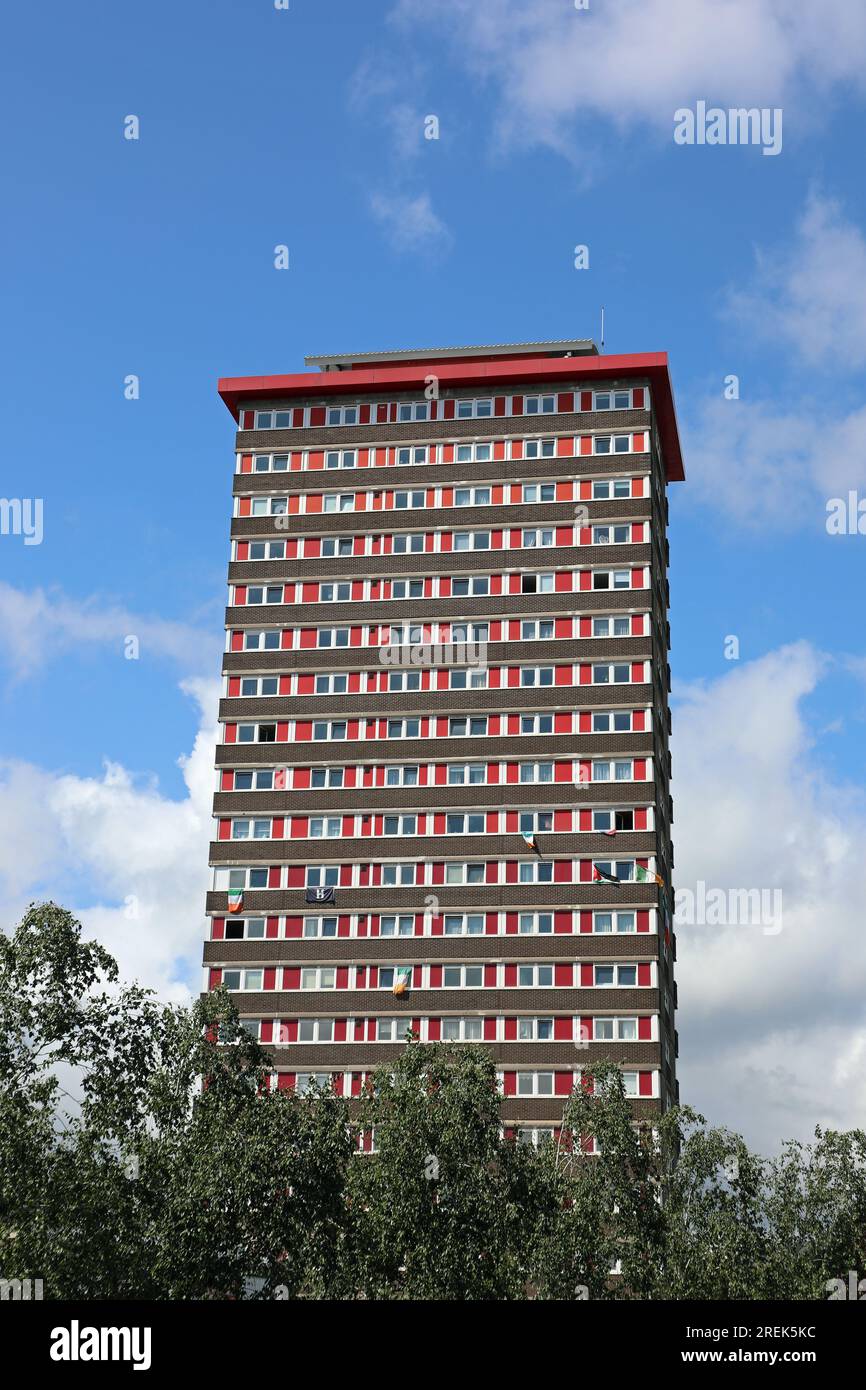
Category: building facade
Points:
column 442, row 790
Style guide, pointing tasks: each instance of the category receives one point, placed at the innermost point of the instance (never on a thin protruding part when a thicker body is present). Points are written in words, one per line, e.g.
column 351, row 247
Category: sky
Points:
column 304, row 126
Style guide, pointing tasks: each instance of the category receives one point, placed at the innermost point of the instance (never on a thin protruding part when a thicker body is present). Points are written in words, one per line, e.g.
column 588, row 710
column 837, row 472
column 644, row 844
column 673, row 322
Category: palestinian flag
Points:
column 236, row 900
column 280, row 778
column 644, row 876
column 531, row 842
column 600, row 876
column 402, row 979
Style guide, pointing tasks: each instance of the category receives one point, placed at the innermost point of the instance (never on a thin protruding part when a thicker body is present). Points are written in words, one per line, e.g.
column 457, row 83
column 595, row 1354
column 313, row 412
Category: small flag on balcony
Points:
column 602, row 876
column 611, row 832
column 236, row 900
column 402, row 979
column 281, row 779
column 531, row 842
column 642, row 875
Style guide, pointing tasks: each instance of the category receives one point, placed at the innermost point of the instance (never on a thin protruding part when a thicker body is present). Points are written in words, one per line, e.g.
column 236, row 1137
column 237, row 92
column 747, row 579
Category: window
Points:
column 623, row 869
column 268, row 593
column 408, row 544
column 260, row 685
column 326, row 827
column 404, row 728
column 270, row 463
column 273, row 419
column 539, row 405
column 539, row 449
column 323, row 876
column 534, row 871
column 472, row 496
column 620, row 771
column 469, row 632
column 624, row 976
column 320, row 926
column 534, row 976
column 398, row 874
column 407, row 588
column 464, row 924
column 243, row 979
column 334, row 684
column 326, row 777
column 538, row 1136
column 404, row 680
column 473, row 453
column 612, row 400
column 537, row 630
column 462, row 1029
column 329, row 730
column 612, row 443
column 618, row 674
column 413, row 455
column 269, row 506
column 460, row 823
column 413, row 410
column 262, row 781
column 535, row 1029
column 619, row 1029
column 399, row 825
column 467, row 680
column 611, row 627
column 397, row 926
column 402, row 500
column 267, row 550
column 475, row 727
column 335, row 593
column 535, row 539
column 536, row 723
column 262, row 641
column 251, row 829
column 611, row 579
column 342, row 415
column 401, row 776
column 617, row 722
column 612, row 820
column 337, row 545
column 312, row 1081
column 333, row 637
column 605, row 489
column 535, row 923
column 535, row 1083
column 338, row 502
column 340, row 458
column 389, row 974
column 315, row 1030
column 467, row 410
column 619, row 923
column 536, row 675
column 245, row 928
column 464, row 873
column 536, row 772
column 536, row 583
column 477, row 585
column 466, row 774
column 611, row 535
column 236, row 880
column 462, row 976
column 257, row 733
column 392, row 1029
column 319, row 977
column 535, row 820
column 471, row 540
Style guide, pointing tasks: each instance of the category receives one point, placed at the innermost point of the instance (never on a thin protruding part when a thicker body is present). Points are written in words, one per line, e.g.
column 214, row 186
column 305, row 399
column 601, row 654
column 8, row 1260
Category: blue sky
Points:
column 305, row 127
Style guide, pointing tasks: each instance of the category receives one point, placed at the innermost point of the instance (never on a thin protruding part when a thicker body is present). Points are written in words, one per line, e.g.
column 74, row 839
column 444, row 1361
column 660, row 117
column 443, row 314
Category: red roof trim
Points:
column 652, row 366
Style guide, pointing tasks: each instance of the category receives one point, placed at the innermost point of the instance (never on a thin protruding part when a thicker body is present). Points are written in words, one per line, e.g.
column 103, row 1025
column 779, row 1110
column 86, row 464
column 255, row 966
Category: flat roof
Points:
column 505, row 371
column 557, row 347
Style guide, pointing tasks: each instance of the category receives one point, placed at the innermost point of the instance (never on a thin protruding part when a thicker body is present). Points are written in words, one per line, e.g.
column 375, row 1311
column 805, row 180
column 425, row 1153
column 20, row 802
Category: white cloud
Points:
column 410, row 224
column 771, row 1025
column 639, row 60
column 762, row 463
column 810, row 295
column 143, row 855
column 39, row 625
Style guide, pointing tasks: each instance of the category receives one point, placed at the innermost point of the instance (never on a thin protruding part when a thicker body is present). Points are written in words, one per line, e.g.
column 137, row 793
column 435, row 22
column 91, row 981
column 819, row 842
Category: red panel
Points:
column 565, row 402
column 563, row 1029
column 510, row 1029
column 644, row 1029
column 562, row 923
column 563, row 975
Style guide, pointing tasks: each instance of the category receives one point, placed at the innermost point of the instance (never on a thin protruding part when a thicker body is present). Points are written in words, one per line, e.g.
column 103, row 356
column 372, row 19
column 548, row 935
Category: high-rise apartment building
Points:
column 443, row 780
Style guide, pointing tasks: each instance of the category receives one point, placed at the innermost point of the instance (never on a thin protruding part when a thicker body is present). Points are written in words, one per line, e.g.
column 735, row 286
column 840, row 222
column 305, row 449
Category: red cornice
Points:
column 651, row 366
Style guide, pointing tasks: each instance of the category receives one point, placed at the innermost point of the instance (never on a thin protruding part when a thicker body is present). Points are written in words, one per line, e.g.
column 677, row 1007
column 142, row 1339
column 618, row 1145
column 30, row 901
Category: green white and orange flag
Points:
column 402, row 979
column 236, row 900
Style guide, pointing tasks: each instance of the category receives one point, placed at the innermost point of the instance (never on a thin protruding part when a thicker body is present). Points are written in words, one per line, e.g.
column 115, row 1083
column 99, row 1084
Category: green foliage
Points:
column 178, row 1173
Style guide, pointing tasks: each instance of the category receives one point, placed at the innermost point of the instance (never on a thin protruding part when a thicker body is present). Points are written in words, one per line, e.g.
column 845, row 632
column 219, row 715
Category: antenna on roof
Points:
column 602, row 328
